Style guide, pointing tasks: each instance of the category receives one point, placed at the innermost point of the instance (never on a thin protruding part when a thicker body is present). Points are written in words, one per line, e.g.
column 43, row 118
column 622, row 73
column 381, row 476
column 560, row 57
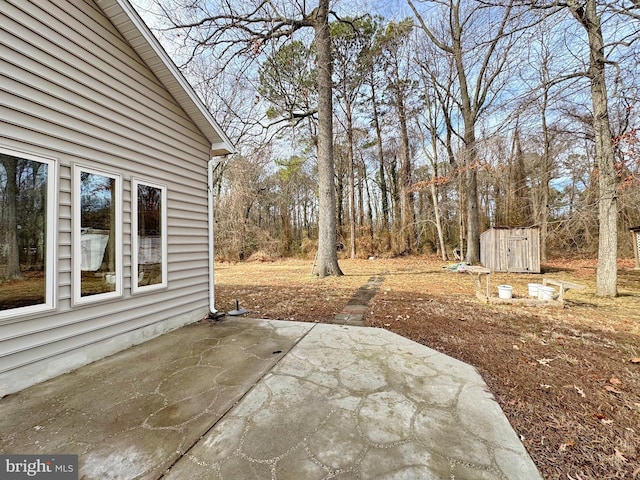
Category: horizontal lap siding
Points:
column 72, row 89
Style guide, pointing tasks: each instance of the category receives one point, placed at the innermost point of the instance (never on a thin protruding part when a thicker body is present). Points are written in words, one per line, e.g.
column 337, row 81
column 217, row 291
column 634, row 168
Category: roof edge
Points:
column 221, row 145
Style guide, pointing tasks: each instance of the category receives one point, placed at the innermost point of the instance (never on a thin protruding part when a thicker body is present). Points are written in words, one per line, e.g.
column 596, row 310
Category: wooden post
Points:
column 635, row 232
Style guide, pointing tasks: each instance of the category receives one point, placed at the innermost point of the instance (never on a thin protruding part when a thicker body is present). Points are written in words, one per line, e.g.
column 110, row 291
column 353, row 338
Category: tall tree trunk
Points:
column 340, row 193
column 461, row 200
column 434, row 195
column 369, row 207
column 395, row 200
column 406, row 200
column 435, row 176
column 384, row 195
column 462, row 204
column 471, row 192
column 470, row 148
column 327, row 254
column 607, row 273
column 360, row 186
column 543, row 221
column 352, row 177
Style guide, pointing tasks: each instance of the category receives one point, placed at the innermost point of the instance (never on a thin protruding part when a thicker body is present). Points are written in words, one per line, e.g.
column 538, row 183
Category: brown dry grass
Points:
column 564, row 377
column 24, row 292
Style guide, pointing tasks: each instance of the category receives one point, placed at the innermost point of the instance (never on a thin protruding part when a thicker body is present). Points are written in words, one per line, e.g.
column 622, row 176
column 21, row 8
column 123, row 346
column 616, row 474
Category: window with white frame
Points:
column 97, row 235
column 149, row 236
column 27, row 233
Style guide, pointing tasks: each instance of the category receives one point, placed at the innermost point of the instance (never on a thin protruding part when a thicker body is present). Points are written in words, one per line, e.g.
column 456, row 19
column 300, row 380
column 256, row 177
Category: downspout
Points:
column 210, row 206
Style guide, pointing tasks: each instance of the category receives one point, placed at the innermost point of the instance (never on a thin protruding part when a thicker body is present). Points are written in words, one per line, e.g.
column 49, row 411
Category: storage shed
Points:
column 505, row 249
column 635, row 232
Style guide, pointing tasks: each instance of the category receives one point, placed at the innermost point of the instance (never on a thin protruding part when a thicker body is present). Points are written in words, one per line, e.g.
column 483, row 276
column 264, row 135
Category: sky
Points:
column 568, row 52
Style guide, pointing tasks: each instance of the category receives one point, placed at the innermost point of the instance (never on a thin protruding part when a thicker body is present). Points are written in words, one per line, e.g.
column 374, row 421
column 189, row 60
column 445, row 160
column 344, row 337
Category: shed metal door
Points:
column 518, row 254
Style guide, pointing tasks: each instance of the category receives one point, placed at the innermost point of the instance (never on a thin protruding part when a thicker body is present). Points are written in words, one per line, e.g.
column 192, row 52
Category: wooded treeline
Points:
column 460, row 116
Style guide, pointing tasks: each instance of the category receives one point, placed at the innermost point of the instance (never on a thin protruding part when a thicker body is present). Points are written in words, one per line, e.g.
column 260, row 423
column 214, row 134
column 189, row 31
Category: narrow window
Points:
column 97, row 235
column 149, row 241
column 27, row 233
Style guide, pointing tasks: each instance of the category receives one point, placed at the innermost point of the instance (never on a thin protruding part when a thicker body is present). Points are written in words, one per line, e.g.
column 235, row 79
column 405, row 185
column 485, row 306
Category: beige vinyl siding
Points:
column 134, row 115
column 68, row 339
column 75, row 91
column 115, row 61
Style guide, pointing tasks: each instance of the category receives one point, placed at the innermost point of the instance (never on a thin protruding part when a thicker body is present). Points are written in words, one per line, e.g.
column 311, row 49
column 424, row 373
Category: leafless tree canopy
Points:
column 464, row 115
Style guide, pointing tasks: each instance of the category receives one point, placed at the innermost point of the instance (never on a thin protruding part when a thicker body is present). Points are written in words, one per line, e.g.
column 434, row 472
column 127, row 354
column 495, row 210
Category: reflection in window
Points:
column 26, row 224
column 149, row 242
column 98, row 224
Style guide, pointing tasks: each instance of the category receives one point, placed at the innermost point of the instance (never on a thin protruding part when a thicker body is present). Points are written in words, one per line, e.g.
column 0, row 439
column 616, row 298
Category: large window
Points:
column 149, row 232
column 97, row 235
column 27, row 233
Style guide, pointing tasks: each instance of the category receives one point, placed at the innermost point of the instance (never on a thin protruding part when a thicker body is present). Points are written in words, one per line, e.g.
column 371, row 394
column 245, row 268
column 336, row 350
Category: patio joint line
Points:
column 249, row 390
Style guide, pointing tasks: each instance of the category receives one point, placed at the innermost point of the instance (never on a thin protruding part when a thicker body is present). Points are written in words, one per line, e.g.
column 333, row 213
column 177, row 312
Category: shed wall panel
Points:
column 511, row 249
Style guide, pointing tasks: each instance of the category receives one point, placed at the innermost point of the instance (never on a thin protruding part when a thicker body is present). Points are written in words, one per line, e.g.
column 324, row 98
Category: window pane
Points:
column 97, row 234
column 150, row 234
column 23, row 232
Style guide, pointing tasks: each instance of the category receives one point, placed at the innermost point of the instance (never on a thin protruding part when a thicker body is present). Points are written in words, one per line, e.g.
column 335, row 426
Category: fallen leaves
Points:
column 613, row 381
column 545, row 361
column 565, row 445
column 611, row 389
column 620, row 456
column 547, row 368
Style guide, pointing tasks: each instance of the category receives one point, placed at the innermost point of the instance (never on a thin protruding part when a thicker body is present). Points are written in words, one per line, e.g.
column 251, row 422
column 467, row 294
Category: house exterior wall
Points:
column 73, row 90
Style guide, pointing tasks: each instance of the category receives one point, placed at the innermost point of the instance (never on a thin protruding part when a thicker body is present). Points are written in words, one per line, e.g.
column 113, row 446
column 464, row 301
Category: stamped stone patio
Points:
column 256, row 399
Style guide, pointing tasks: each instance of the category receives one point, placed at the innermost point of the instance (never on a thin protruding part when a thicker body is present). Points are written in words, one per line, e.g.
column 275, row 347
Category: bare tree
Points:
column 235, row 30
column 393, row 46
column 590, row 14
column 372, row 68
column 351, row 40
column 479, row 67
column 430, row 133
column 607, row 273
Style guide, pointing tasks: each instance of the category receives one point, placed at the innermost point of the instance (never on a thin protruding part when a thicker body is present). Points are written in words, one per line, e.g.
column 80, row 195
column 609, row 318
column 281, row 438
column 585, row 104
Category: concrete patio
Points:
column 255, row 399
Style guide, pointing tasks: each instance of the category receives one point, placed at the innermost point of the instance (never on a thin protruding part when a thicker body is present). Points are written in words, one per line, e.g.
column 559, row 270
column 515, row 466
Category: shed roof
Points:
column 499, row 227
column 125, row 18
